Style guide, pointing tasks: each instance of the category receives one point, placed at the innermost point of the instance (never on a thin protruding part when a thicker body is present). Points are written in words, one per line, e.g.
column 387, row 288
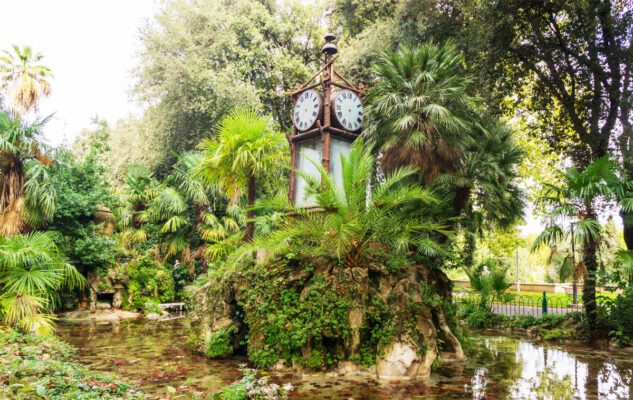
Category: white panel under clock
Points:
column 311, row 150
column 338, row 149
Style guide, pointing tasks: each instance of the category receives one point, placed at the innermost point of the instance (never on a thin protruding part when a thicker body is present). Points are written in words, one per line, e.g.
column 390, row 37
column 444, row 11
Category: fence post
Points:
column 544, row 304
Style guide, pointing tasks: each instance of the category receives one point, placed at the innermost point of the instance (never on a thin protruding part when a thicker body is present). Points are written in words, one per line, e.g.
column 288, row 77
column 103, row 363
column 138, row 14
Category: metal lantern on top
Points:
column 327, row 117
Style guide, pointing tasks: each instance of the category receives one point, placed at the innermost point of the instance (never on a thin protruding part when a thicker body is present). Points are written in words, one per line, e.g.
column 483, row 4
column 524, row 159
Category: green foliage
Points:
column 573, row 215
column 32, row 273
column 151, row 307
column 419, row 110
column 28, row 195
column 149, row 281
column 283, row 319
column 478, row 317
column 82, row 187
column 220, row 344
column 36, row 367
column 490, row 281
column 395, row 215
column 250, row 387
column 617, row 315
column 200, row 60
column 246, row 154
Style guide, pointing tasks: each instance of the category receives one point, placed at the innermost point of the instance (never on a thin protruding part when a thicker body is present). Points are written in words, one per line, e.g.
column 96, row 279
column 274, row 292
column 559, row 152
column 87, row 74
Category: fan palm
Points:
column 32, row 271
column 245, row 151
column 25, row 78
column 27, row 195
column 391, row 215
column 419, row 111
column 484, row 187
column 573, row 216
column 174, row 206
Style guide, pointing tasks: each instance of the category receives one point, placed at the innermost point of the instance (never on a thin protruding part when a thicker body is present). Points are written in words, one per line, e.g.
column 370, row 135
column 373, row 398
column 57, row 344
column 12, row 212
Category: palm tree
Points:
column 27, row 195
column 419, row 111
column 24, row 77
column 32, row 271
column 173, row 208
column 573, row 216
column 245, row 151
column 392, row 215
column 484, row 187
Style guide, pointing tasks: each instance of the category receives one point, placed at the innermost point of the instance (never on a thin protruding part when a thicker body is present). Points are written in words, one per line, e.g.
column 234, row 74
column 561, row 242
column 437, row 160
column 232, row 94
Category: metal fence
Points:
column 523, row 305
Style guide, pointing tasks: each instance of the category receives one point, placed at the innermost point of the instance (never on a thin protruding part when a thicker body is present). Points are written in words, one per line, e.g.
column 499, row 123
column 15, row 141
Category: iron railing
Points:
column 523, row 305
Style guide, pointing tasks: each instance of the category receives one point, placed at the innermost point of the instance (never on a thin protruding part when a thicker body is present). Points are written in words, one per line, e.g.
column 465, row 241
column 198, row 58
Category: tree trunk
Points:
column 626, row 149
column 12, row 221
column 590, row 260
column 469, row 249
column 460, row 201
column 627, row 228
column 250, row 213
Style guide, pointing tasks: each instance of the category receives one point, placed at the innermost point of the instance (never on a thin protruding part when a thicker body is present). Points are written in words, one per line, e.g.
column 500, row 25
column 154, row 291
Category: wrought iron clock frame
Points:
column 328, row 79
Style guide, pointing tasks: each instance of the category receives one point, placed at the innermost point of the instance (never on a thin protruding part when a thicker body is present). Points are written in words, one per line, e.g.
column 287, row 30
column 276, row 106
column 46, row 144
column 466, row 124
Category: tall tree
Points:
column 420, row 111
column 574, row 204
column 573, row 60
column 485, row 185
column 25, row 78
column 245, row 152
column 27, row 195
column 201, row 59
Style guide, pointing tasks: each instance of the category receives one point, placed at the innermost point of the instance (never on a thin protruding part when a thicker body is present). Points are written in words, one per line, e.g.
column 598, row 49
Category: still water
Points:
column 154, row 356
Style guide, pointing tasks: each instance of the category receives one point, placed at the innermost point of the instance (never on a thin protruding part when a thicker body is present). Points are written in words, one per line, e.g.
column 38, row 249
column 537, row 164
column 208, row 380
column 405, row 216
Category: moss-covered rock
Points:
column 314, row 315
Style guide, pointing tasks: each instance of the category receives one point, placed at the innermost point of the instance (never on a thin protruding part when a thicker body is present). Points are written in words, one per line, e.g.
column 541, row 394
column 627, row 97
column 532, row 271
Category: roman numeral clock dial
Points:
column 307, row 109
column 348, row 110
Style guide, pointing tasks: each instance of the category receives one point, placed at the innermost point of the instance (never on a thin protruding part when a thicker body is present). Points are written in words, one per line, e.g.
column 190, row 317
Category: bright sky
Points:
column 91, row 49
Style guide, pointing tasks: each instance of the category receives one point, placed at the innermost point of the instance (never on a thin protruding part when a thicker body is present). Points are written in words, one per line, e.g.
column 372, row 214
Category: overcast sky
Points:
column 90, row 47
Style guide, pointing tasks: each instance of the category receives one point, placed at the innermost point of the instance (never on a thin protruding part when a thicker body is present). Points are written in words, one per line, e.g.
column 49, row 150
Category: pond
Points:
column 154, row 356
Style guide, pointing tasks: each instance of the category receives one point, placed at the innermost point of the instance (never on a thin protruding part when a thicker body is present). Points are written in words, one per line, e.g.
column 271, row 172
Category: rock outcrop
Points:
column 316, row 315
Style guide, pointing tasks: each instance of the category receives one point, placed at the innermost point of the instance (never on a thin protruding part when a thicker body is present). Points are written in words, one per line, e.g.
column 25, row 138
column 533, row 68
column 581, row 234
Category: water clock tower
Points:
column 327, row 116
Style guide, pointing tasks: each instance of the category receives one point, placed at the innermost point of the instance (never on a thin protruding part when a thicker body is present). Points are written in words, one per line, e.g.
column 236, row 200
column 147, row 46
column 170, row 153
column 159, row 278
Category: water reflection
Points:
column 154, row 356
column 533, row 371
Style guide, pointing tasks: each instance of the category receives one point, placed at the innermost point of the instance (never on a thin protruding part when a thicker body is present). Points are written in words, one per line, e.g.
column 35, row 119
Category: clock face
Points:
column 348, row 110
column 306, row 110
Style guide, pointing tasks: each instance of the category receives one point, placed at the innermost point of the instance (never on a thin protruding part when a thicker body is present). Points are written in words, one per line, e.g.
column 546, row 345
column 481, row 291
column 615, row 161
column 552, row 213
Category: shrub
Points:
column 252, row 388
column 617, row 315
column 489, row 279
column 219, row 344
column 283, row 319
column 477, row 317
column 149, row 281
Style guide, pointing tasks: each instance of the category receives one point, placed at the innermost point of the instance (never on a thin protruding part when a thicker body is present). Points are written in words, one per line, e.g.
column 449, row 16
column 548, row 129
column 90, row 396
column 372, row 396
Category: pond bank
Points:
column 154, row 356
